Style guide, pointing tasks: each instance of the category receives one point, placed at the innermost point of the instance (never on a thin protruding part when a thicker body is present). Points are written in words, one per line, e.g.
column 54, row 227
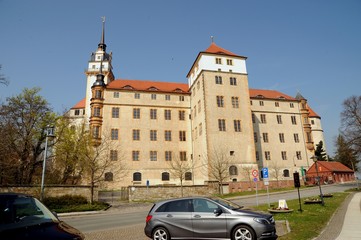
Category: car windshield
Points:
column 23, row 211
column 227, row 204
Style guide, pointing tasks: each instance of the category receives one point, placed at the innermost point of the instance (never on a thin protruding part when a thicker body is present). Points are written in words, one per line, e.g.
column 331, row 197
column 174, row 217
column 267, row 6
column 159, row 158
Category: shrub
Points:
column 65, row 200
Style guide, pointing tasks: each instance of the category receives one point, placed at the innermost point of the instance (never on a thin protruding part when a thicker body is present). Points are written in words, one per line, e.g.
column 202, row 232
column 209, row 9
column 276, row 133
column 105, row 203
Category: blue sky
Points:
column 313, row 47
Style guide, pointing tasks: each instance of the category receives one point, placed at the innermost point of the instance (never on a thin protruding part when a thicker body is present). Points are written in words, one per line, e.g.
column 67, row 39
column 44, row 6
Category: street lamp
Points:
column 314, row 158
column 49, row 131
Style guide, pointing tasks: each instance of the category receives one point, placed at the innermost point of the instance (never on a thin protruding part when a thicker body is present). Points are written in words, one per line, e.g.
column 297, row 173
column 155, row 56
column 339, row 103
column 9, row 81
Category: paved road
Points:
column 127, row 222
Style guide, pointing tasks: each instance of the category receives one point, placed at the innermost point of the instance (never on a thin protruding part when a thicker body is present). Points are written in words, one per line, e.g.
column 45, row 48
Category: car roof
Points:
column 182, row 198
column 14, row 195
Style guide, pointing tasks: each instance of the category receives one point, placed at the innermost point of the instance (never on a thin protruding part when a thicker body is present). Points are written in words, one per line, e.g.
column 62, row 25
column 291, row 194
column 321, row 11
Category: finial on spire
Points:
column 212, row 39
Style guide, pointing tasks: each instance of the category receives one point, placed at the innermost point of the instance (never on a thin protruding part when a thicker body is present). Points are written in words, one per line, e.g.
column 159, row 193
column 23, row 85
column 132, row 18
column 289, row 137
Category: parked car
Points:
column 206, row 218
column 24, row 217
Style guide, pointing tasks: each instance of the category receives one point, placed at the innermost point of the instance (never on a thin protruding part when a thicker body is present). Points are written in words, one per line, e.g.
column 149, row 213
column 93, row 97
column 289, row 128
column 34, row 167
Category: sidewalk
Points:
column 348, row 215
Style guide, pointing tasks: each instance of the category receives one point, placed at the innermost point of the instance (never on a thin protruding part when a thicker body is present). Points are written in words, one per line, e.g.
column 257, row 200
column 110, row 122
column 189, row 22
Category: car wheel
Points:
column 161, row 233
column 243, row 232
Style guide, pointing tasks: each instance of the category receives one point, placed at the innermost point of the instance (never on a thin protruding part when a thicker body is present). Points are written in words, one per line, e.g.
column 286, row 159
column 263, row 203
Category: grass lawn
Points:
column 310, row 222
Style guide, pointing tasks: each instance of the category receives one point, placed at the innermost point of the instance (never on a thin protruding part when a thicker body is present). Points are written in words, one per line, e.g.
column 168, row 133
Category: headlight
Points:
column 262, row 221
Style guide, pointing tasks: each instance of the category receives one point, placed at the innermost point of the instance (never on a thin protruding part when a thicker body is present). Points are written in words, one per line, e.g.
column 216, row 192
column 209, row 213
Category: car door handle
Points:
column 197, row 216
column 169, row 215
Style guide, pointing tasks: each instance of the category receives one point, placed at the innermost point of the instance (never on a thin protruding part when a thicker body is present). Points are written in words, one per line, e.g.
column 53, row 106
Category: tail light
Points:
column 148, row 218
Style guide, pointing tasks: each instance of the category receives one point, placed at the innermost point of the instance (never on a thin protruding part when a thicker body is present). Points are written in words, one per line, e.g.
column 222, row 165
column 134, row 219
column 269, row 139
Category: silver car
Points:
column 206, row 218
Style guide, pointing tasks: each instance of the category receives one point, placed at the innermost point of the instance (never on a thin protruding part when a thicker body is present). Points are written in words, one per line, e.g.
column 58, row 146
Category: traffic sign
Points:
column 254, row 173
column 265, row 172
column 255, row 179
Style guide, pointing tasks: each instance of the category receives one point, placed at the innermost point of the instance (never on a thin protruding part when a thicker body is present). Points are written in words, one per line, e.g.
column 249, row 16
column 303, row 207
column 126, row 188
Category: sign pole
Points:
column 256, row 194
column 269, row 204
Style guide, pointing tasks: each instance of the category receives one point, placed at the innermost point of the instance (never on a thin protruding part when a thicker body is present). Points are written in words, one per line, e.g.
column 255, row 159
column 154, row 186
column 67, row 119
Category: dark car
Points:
column 206, row 218
column 24, row 217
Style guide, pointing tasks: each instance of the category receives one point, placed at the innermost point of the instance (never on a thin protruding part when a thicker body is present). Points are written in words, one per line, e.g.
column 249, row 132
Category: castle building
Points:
column 215, row 116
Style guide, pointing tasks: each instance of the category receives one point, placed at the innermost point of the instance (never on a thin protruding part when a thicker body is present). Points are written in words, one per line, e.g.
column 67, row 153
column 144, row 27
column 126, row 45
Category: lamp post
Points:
column 49, row 131
column 314, row 158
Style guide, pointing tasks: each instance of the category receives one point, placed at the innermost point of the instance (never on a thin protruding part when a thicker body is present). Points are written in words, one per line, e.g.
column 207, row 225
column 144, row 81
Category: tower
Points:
column 100, row 60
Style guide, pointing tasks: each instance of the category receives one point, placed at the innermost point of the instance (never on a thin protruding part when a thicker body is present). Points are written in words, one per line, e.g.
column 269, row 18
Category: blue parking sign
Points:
column 265, row 172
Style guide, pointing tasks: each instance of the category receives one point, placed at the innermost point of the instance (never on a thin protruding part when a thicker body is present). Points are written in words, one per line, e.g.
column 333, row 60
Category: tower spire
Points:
column 102, row 45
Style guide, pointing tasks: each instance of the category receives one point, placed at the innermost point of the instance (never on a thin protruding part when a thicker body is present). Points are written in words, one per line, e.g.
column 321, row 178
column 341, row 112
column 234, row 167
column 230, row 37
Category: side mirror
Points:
column 218, row 211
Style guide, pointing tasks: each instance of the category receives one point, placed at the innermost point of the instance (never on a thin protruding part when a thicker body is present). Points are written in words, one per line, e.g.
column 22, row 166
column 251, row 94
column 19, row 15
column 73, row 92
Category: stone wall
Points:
column 251, row 186
column 52, row 191
column 154, row 193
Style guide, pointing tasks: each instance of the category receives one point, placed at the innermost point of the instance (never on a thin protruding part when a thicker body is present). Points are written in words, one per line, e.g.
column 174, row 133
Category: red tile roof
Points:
column 80, row 104
column 213, row 48
column 271, row 94
column 325, row 166
column 313, row 113
column 151, row 86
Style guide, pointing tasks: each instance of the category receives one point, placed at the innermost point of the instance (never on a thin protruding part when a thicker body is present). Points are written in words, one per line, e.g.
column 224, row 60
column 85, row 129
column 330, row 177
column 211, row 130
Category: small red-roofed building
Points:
column 329, row 172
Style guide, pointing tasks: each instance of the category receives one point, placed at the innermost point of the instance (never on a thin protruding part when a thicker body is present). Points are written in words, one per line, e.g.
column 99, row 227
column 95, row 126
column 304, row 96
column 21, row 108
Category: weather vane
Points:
column 103, row 18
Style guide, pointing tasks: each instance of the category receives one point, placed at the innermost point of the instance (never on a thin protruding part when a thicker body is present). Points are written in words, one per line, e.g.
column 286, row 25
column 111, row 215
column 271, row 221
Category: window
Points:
column 279, row 119
column 137, row 176
column 237, row 125
column 199, row 106
column 200, row 129
column 222, row 125
column 267, row 155
column 153, row 96
column 257, row 155
column 116, row 95
column 309, row 137
column 113, row 155
column 261, row 103
column 219, row 80
column 96, row 130
column 235, row 103
column 293, row 120
column 284, row 155
column 108, row 176
column 114, row 134
column 253, row 118
column 313, row 122
column 137, row 95
column 136, row 113
column 265, row 137
column 282, row 137
column 168, row 135
column 188, row 176
column 153, row 113
column 96, row 112
column 263, row 118
column 233, row 81
column 153, row 135
column 168, row 155
column 233, row 170
column 277, row 104
column 229, row 62
column 183, row 155
column 153, row 155
column 291, row 105
column 136, row 134
column 135, row 155
column 181, row 98
column 115, row 112
column 298, row 155
column 305, row 120
column 296, row 138
column 77, row 112
column 251, row 102
column 167, row 114
column 218, row 60
column 220, row 102
column 182, row 136
column 182, row 114
column 98, row 94
column 255, row 137
column 165, row 177
column 286, row 173
column 167, row 97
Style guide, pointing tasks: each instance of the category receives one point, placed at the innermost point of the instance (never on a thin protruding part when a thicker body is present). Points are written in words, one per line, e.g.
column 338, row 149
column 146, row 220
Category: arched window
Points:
column 108, row 176
column 188, row 176
column 233, row 170
column 165, row 176
column 137, row 176
column 286, row 173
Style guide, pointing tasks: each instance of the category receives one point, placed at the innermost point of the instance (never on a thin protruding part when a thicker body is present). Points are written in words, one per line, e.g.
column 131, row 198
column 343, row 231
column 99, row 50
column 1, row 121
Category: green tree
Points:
column 23, row 120
column 320, row 152
column 345, row 154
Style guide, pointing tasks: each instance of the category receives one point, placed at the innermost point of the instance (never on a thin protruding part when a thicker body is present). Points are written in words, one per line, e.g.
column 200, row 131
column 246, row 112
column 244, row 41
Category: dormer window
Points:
column 153, row 89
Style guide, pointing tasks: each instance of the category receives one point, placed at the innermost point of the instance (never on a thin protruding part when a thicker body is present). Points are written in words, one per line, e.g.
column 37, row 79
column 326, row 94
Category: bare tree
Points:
column 179, row 168
column 248, row 172
column 219, row 162
column 3, row 79
column 99, row 166
column 276, row 171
